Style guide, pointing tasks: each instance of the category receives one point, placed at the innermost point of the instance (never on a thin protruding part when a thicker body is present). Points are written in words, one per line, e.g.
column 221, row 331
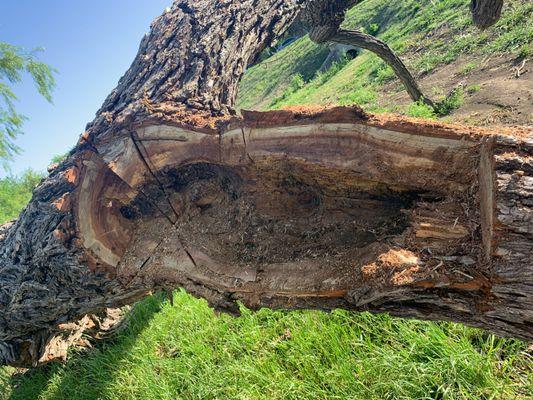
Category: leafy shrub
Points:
column 372, row 29
column 15, row 193
column 473, row 89
column 451, row 102
column 421, row 110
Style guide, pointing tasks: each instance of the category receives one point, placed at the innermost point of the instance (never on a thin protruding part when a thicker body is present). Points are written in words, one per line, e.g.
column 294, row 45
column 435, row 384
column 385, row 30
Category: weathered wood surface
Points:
column 288, row 209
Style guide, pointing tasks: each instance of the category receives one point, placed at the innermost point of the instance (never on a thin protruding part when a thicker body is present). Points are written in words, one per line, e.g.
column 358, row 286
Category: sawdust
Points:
column 396, row 267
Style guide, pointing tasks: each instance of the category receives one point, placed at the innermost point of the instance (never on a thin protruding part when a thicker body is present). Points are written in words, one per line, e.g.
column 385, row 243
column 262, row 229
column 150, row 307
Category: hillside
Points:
column 440, row 46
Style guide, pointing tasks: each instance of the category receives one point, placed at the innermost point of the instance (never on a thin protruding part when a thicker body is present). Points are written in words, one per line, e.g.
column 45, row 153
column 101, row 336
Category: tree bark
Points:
column 287, row 209
column 486, row 13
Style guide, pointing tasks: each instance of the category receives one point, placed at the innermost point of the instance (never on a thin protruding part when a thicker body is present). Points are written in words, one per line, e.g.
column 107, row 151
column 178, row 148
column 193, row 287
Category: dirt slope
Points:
column 498, row 89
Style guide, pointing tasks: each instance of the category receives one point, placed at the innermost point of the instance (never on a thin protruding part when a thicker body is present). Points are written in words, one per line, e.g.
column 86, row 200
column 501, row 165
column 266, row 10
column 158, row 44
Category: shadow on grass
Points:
column 87, row 374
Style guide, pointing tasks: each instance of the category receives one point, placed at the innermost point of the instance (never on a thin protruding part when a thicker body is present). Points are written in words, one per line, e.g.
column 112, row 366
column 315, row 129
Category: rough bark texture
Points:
column 289, row 209
column 486, row 12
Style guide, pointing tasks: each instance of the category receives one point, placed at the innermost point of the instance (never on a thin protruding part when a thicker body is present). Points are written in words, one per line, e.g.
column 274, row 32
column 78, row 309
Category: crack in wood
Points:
column 137, row 143
column 190, row 256
column 246, row 146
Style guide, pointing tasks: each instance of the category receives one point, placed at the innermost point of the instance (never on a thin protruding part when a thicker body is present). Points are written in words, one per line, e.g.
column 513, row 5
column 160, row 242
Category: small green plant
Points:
column 526, row 51
column 384, row 74
column 451, row 102
column 473, row 89
column 296, row 84
column 467, row 68
column 421, row 110
column 372, row 29
column 437, row 91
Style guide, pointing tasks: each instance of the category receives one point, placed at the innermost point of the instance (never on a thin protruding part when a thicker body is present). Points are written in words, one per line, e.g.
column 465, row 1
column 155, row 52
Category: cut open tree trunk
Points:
column 304, row 208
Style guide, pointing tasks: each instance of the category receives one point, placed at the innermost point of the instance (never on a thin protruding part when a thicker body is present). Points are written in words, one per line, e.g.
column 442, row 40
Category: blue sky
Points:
column 91, row 44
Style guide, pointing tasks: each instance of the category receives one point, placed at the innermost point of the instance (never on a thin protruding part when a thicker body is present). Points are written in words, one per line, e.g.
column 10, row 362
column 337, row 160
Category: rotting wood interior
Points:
column 271, row 209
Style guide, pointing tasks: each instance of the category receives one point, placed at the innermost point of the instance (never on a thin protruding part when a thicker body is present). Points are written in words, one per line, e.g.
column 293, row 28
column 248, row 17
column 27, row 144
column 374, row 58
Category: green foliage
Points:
column 473, row 89
column 14, row 62
column 383, row 73
column 453, row 101
column 15, row 193
column 59, row 158
column 526, row 51
column 468, row 68
column 372, row 29
column 360, row 96
column 184, row 351
column 421, row 110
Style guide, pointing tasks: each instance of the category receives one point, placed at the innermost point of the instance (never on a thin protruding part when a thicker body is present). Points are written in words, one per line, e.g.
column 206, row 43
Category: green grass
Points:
column 421, row 110
column 442, row 29
column 185, row 351
column 469, row 67
column 268, row 79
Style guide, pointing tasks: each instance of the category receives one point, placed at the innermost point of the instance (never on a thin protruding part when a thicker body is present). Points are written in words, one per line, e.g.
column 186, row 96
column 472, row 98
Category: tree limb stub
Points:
column 286, row 209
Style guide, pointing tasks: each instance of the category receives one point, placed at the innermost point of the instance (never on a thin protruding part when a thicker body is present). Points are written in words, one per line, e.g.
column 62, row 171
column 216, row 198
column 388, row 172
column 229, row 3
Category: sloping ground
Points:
column 497, row 90
column 437, row 42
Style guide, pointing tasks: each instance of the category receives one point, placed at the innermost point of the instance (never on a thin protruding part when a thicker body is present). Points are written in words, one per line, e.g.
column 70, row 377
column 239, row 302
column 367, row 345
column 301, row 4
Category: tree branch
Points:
column 381, row 49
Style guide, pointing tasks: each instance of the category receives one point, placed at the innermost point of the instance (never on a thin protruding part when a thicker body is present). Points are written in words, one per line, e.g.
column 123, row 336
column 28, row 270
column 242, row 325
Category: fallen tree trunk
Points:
column 287, row 209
